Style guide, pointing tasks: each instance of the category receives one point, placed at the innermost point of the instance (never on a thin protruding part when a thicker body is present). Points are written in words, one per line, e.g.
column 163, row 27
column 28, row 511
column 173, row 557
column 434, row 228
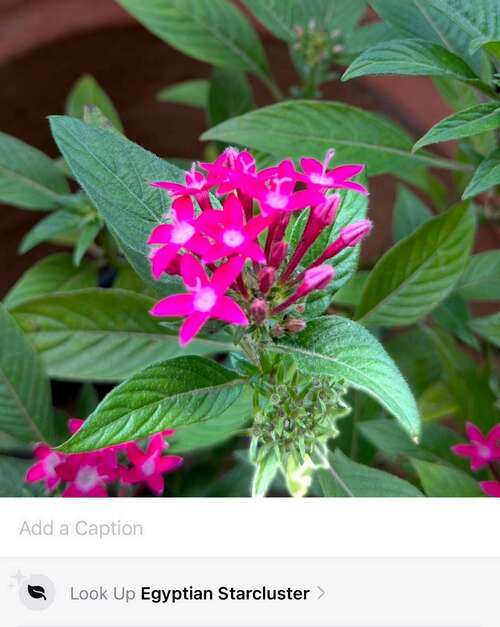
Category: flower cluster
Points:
column 91, row 474
column 209, row 247
column 483, row 452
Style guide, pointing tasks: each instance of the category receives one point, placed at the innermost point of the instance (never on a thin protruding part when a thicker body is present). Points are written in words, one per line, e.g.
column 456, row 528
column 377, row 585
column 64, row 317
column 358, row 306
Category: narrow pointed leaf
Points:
column 87, row 92
column 409, row 213
column 192, row 93
column 486, row 176
column 166, row 395
column 488, row 327
column 444, row 481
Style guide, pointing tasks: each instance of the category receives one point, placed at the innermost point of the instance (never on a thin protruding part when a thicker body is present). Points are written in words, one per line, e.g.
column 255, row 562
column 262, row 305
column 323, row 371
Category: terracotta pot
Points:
column 43, row 51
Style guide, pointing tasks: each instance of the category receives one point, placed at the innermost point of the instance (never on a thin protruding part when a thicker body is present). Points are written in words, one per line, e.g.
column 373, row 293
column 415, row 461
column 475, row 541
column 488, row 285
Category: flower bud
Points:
column 295, row 325
column 266, row 279
column 259, row 311
column 278, row 254
column 277, row 331
column 316, row 278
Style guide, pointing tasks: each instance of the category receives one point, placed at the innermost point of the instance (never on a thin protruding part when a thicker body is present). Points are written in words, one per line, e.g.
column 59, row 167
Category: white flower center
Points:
column 321, row 179
column 233, row 238
column 483, row 451
column 204, row 299
column 50, row 463
column 276, row 200
column 182, row 232
column 148, row 468
column 87, row 478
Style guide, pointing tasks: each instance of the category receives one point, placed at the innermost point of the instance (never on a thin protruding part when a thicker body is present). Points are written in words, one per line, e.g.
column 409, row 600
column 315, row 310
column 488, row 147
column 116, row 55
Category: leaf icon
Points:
column 37, row 592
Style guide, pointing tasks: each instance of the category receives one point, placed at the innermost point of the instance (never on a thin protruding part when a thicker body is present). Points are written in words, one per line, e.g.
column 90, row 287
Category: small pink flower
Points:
column 277, row 192
column 181, row 234
column 206, row 298
column 46, row 468
column 230, row 233
column 482, row 450
column 314, row 279
column 87, row 475
column 197, row 185
column 150, row 466
column 231, row 170
column 491, row 488
column 316, row 174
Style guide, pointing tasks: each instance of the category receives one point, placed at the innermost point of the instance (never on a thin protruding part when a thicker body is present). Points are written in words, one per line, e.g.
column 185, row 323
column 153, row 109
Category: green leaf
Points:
column 266, row 470
column 416, row 357
column 488, row 327
column 56, row 224
column 454, row 24
column 348, row 478
column 85, row 240
column 307, row 127
column 25, row 404
column 87, row 92
column 413, row 57
column 166, row 395
column 55, row 273
column 229, row 95
column 350, row 293
column 414, row 276
column 12, row 473
column 436, row 403
column 487, row 175
column 215, row 431
column 409, row 213
column 478, row 119
column 353, row 208
column 453, row 314
column 282, row 17
column 340, row 348
column 481, row 277
column 101, row 334
column 192, row 93
column 365, row 37
column 214, row 31
column 116, row 175
column 445, row 481
column 28, row 178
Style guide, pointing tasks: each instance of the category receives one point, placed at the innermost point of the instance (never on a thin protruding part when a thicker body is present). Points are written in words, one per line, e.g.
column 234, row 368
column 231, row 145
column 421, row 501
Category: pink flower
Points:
column 231, row 235
column 316, row 174
column 46, row 468
column 197, row 185
column 206, row 298
column 231, row 170
column 182, row 233
column 314, row 279
column 149, row 467
column 482, row 450
column 491, row 488
column 87, row 475
column 277, row 193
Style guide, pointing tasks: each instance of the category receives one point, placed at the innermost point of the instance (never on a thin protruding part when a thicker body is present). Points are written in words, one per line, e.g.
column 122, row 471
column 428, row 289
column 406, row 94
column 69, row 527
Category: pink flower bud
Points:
column 278, row 254
column 314, row 279
column 259, row 311
column 266, row 279
column 295, row 325
column 349, row 236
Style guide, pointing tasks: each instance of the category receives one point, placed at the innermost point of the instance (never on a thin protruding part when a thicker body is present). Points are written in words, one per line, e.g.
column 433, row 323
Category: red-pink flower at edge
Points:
column 45, row 468
column 150, row 466
column 206, row 298
column 316, row 174
column 482, row 450
column 491, row 488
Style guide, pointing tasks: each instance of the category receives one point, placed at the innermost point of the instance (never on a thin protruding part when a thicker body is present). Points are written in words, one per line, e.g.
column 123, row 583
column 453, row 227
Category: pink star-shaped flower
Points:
column 274, row 189
column 231, row 170
column 87, row 475
column 196, row 185
column 317, row 176
column 230, row 233
column 46, row 468
column 171, row 238
column 491, row 488
column 206, row 298
column 150, row 466
column 482, row 450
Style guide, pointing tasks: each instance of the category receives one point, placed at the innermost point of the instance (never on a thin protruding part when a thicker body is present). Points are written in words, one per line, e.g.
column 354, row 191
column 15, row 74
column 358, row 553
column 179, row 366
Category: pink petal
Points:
column 473, row 433
column 193, row 273
column 233, row 212
column 73, row 491
column 229, row 311
column 161, row 234
column 162, row 258
column 217, row 251
column 175, row 305
column 156, row 444
column 156, row 483
column 225, row 275
column 183, row 209
column 191, row 326
column 169, row 463
column 256, row 225
column 491, row 488
column 53, row 482
column 134, row 475
column 253, row 251
column 343, row 172
column 35, row 473
column 135, row 454
column 98, row 491
column 305, row 198
column 352, row 185
column 74, row 425
column 311, row 166
column 198, row 245
column 464, row 450
column 173, row 188
column 41, row 451
column 494, row 436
